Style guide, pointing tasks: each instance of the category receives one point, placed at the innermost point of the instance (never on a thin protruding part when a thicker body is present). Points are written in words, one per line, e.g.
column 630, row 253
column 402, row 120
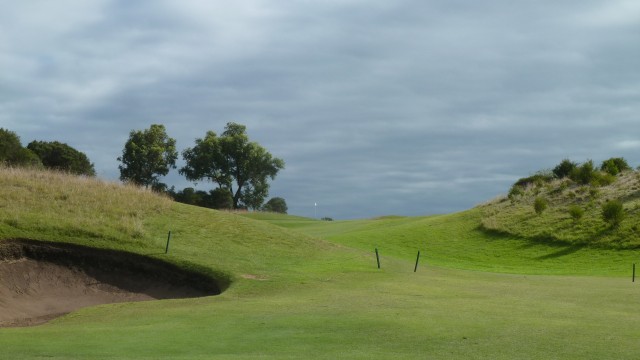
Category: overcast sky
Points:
column 378, row 107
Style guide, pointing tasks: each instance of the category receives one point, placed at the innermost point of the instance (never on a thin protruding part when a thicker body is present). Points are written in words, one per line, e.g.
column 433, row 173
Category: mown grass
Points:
column 310, row 289
column 457, row 241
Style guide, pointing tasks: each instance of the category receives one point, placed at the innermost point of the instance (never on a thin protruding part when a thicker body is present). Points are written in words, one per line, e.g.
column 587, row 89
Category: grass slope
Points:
column 457, row 241
column 516, row 216
column 314, row 295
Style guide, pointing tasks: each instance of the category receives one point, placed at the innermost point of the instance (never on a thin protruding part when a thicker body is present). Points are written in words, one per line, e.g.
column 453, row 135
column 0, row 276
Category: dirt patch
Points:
column 40, row 280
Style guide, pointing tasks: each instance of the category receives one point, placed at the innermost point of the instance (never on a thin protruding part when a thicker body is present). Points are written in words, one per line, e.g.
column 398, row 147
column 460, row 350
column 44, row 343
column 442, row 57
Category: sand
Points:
column 40, row 281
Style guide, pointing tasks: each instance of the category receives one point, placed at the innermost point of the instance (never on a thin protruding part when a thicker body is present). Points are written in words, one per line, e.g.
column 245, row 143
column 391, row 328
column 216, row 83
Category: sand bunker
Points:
column 40, row 281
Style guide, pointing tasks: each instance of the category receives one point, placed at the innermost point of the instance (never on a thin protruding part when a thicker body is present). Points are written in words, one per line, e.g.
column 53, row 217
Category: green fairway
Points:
column 302, row 288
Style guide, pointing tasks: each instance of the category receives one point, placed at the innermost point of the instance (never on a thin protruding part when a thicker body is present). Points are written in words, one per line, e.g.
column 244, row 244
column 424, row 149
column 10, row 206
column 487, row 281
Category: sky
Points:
column 405, row 107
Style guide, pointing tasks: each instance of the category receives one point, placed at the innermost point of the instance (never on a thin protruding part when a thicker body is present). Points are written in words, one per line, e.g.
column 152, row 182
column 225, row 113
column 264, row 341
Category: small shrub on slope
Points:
column 613, row 212
column 540, row 205
column 576, row 212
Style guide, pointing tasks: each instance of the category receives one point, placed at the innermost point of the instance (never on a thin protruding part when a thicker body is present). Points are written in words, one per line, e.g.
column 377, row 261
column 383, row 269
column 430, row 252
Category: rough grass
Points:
column 517, row 217
column 36, row 203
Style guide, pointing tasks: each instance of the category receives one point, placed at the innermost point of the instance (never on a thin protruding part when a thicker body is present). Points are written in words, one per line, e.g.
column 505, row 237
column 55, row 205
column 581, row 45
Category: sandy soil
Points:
column 41, row 281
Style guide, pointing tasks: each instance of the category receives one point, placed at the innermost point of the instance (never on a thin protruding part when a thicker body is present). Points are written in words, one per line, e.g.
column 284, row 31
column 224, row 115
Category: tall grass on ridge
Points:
column 37, row 203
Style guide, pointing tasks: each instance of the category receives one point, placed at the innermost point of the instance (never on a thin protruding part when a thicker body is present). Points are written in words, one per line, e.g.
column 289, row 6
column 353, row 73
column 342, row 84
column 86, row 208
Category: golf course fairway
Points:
column 298, row 288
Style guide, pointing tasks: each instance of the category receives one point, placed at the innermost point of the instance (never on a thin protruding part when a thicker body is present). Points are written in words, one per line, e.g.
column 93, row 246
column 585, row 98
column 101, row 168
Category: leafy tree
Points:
column 215, row 199
column 613, row 212
column 276, row 204
column 188, row 196
column 59, row 156
column 12, row 153
column 614, row 166
column 564, row 169
column 147, row 155
column 233, row 162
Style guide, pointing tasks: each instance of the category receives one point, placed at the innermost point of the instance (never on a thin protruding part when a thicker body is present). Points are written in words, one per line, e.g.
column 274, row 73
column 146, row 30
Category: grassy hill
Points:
column 302, row 288
column 516, row 216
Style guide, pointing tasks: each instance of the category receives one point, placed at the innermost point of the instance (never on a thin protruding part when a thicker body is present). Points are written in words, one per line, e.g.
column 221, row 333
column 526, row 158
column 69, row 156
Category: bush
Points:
column 13, row 154
column 326, row 219
column 515, row 191
column 60, row 156
column 576, row 212
column 614, row 166
column 584, row 173
column 540, row 205
column 613, row 212
column 564, row 169
column 276, row 204
column 539, row 179
column 602, row 179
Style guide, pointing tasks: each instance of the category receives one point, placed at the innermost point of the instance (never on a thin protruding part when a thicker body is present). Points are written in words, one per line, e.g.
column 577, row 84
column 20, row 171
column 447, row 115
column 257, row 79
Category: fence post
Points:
column 166, row 250
column 378, row 258
column 417, row 258
column 633, row 276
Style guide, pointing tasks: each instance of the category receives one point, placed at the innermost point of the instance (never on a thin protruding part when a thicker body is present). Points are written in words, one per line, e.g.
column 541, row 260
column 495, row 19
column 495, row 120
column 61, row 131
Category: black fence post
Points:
column 166, row 250
column 378, row 258
column 417, row 259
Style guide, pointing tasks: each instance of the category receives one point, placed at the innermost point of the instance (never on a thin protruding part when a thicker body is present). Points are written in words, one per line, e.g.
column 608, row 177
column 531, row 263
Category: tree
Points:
column 12, row 153
column 59, row 156
column 147, row 155
column 276, row 204
column 236, row 164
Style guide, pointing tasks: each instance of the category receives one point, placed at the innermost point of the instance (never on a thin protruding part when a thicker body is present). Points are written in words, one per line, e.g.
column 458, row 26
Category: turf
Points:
column 302, row 288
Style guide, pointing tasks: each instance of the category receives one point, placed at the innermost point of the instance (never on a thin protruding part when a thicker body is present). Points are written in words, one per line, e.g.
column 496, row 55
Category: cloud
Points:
column 407, row 107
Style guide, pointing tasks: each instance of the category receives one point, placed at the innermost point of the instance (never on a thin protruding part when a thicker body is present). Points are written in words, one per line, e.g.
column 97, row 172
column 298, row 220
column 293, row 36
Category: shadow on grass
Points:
column 567, row 250
column 559, row 248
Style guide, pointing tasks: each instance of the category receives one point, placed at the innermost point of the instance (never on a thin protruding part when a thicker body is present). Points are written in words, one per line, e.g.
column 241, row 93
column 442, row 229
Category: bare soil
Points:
column 40, row 280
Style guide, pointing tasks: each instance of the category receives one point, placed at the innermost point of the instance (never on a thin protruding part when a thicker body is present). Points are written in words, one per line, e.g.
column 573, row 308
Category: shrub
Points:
column 584, row 173
column 602, row 179
column 539, row 179
column 613, row 212
column 540, row 205
column 576, row 212
column 60, row 156
column 564, row 169
column 614, row 166
column 515, row 191
column 326, row 219
column 13, row 154
column 276, row 204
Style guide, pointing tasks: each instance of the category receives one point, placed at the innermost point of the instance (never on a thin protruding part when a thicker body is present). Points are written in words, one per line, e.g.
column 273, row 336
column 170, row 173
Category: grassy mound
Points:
column 52, row 206
column 573, row 213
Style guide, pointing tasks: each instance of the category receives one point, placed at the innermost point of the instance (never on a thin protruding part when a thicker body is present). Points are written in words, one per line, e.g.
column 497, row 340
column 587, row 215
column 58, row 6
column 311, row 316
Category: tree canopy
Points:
column 276, row 204
column 235, row 163
column 12, row 153
column 60, row 156
column 147, row 155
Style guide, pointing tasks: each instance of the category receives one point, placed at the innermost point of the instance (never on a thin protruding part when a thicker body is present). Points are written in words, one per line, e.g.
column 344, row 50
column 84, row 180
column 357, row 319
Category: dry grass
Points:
column 517, row 217
column 73, row 206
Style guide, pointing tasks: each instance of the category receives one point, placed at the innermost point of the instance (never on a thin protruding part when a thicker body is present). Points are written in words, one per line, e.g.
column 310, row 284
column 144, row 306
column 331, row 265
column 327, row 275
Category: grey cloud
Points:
column 406, row 107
